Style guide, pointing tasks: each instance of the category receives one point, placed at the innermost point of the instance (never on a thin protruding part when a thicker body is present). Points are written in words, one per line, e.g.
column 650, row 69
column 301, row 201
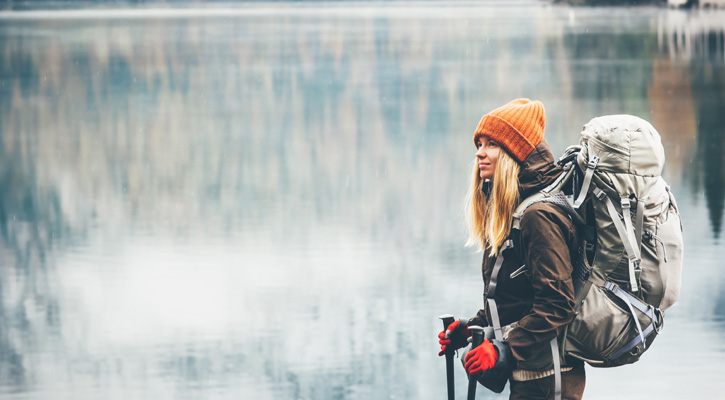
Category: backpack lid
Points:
column 624, row 144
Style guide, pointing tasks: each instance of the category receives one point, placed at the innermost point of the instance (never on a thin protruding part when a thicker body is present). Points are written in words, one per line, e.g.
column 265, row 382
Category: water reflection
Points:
column 711, row 137
column 269, row 205
column 698, row 40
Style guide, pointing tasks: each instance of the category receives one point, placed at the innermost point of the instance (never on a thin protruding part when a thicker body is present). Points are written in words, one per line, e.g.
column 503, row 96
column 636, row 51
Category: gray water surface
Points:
column 265, row 200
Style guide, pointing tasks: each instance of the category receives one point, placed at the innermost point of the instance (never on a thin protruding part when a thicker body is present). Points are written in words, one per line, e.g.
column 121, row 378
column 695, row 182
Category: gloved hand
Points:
column 455, row 337
column 481, row 358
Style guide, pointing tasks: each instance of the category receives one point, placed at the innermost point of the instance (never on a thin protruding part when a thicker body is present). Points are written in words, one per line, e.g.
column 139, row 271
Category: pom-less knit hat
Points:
column 518, row 127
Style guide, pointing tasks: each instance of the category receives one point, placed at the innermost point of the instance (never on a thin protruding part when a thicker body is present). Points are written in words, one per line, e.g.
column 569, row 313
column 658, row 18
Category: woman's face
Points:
column 486, row 156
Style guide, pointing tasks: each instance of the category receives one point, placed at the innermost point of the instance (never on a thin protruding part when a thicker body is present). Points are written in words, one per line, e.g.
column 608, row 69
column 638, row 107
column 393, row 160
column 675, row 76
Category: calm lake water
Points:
column 265, row 200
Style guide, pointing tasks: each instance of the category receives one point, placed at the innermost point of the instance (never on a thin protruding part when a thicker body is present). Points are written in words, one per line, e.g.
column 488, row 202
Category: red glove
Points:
column 453, row 338
column 482, row 358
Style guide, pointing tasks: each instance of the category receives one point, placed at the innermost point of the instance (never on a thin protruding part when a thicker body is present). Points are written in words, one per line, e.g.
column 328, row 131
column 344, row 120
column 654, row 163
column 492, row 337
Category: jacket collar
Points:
column 537, row 171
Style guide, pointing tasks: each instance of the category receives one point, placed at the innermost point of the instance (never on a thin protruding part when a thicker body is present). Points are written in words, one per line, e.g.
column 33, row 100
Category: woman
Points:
column 532, row 292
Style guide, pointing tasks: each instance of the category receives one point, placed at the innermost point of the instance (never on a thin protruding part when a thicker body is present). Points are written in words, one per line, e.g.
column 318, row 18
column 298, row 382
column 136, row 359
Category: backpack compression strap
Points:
column 626, row 234
column 591, row 166
column 634, row 303
column 638, row 232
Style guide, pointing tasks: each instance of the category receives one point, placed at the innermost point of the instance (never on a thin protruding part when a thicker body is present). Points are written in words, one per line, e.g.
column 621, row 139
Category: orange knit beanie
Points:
column 517, row 126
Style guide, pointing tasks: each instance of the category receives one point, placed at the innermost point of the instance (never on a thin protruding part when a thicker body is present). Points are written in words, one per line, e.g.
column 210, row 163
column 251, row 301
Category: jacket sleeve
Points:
column 479, row 319
column 546, row 233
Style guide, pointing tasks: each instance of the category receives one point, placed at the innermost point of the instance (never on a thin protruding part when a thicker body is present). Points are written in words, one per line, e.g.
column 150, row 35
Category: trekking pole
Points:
column 447, row 320
column 476, row 340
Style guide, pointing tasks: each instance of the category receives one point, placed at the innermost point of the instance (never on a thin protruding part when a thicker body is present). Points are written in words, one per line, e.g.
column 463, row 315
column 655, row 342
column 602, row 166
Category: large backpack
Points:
column 630, row 260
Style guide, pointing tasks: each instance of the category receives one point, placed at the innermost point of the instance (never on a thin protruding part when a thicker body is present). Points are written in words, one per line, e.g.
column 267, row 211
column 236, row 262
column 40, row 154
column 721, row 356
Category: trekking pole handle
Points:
column 477, row 333
column 447, row 320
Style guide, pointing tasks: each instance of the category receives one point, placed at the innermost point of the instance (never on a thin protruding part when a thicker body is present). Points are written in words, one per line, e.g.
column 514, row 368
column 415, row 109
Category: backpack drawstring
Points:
column 651, row 236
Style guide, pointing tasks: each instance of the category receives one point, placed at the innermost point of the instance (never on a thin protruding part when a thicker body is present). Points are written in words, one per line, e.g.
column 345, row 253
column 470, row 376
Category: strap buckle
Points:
column 593, row 162
column 659, row 322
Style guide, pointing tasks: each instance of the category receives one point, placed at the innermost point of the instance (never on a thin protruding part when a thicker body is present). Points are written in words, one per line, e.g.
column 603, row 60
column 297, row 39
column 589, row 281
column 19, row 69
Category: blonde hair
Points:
column 489, row 220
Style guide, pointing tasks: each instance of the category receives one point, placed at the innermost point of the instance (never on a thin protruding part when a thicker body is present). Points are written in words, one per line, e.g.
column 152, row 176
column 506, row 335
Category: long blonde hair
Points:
column 489, row 220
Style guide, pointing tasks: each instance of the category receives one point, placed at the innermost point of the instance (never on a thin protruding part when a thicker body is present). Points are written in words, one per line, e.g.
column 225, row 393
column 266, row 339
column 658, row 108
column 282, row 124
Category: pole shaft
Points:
column 447, row 320
column 449, row 376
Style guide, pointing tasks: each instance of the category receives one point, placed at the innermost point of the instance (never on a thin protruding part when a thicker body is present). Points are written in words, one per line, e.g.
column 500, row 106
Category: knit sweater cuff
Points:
column 521, row 375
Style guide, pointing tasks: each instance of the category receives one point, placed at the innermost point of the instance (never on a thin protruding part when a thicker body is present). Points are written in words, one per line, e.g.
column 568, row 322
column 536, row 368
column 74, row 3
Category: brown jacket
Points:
column 542, row 300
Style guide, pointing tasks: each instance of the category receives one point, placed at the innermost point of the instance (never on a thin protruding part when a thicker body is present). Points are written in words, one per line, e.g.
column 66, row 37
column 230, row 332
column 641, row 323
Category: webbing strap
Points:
column 614, row 289
column 495, row 320
column 627, row 216
column 493, row 281
column 491, row 292
column 640, row 224
column 568, row 169
column 623, row 236
column 549, row 192
column 526, row 203
column 644, row 308
column 557, row 369
column 632, row 343
column 591, row 166
column 633, row 276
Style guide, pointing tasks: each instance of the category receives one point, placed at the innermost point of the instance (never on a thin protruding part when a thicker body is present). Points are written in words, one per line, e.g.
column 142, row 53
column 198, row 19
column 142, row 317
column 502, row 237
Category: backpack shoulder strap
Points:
column 553, row 194
column 546, row 194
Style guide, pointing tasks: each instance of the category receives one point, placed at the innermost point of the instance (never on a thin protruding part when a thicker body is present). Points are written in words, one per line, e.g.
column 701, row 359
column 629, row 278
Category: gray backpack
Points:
column 630, row 260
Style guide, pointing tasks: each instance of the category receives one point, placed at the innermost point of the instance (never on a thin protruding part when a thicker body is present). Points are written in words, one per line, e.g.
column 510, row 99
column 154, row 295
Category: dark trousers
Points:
column 572, row 387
